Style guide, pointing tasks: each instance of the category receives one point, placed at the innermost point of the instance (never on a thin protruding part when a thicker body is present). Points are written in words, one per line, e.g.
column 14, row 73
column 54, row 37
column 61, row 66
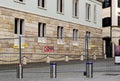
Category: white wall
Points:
column 106, row 12
column 114, row 12
column 31, row 7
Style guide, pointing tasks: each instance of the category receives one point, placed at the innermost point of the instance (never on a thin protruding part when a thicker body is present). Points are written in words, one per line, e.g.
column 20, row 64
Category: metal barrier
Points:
column 36, row 50
column 20, row 71
column 89, row 70
column 53, row 70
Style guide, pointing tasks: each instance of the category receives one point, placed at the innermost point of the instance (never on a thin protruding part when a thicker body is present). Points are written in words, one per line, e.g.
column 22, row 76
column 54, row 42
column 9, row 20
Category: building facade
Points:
column 111, row 23
column 57, row 24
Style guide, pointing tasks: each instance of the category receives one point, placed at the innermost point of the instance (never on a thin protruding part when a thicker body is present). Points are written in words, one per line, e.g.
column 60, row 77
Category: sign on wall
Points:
column 48, row 49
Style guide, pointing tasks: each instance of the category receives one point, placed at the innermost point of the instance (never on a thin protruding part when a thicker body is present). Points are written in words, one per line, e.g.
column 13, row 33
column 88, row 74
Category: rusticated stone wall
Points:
column 33, row 50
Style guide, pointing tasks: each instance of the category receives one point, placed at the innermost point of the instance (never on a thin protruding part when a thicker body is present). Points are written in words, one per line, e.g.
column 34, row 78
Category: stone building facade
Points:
column 111, row 24
column 65, row 39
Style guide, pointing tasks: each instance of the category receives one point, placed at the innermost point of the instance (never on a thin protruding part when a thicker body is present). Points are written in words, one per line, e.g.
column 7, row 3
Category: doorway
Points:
column 108, row 47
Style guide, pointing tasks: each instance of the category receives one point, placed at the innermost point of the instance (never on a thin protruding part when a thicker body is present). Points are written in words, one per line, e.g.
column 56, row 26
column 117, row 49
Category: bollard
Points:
column 89, row 70
column 48, row 59
column 20, row 71
column 66, row 58
column 53, row 70
column 24, row 60
column 81, row 57
column 94, row 57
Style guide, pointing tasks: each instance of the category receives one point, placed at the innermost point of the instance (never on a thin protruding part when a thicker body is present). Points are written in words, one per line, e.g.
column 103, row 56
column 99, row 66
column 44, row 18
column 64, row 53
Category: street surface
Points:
column 104, row 70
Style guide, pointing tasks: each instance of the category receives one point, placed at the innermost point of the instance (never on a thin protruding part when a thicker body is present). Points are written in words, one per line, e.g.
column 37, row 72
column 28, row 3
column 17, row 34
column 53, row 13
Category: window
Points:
column 60, row 6
column 107, row 3
column 20, row 1
column 118, row 20
column 119, row 3
column 41, row 32
column 75, row 34
column 19, row 25
column 88, row 11
column 95, row 13
column 60, row 32
column 119, row 42
column 42, row 3
column 75, row 8
column 106, row 22
column 18, row 31
column 41, row 29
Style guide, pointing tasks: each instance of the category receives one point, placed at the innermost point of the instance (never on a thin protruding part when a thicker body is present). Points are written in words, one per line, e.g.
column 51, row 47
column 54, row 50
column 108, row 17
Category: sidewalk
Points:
column 97, row 77
column 71, row 71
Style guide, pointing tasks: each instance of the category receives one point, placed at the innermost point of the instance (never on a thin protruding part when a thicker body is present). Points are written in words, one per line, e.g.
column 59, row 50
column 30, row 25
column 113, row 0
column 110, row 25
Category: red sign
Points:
column 48, row 49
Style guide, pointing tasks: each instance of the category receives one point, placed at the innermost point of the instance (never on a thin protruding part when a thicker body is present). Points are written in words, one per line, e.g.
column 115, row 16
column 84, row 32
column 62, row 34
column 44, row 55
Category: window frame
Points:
column 106, row 4
column 76, row 11
column 60, row 32
column 41, row 29
column 106, row 22
column 95, row 14
column 88, row 11
column 60, row 6
column 19, row 26
column 75, row 35
column 118, row 20
column 21, row 2
column 118, row 3
column 40, row 5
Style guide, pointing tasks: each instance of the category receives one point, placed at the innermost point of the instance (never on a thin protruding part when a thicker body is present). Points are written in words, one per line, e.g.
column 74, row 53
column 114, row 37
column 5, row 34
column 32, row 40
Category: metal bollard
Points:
column 89, row 70
column 53, row 70
column 20, row 71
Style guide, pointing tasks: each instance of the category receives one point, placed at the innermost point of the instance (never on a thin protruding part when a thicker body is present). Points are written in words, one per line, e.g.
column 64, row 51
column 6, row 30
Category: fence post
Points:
column 20, row 66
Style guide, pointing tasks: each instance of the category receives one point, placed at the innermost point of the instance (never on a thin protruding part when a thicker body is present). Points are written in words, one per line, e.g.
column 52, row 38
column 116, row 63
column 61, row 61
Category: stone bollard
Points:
column 94, row 57
column 24, row 60
column 81, row 57
column 66, row 58
column 105, row 56
column 48, row 59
